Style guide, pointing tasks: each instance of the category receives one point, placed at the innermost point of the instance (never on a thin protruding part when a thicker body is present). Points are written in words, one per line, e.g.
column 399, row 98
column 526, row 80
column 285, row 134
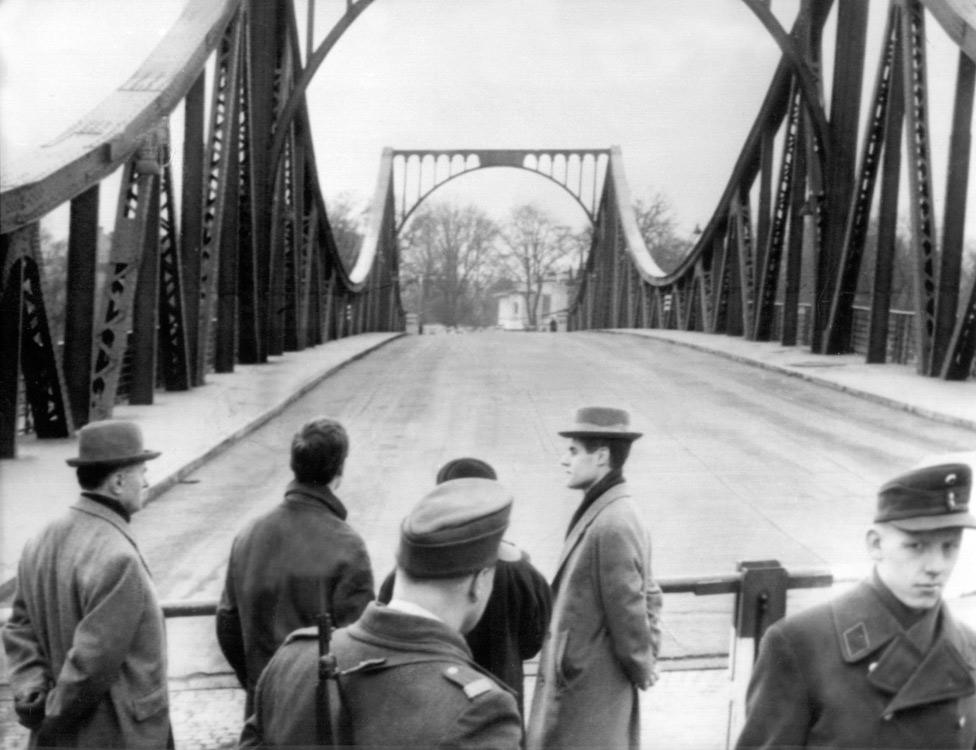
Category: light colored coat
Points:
column 87, row 629
column 604, row 637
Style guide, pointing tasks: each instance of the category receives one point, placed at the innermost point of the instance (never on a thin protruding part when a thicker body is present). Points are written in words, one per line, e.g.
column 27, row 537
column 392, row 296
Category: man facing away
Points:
column 517, row 614
column 295, row 562
column 85, row 642
column 407, row 678
column 884, row 665
column 603, row 639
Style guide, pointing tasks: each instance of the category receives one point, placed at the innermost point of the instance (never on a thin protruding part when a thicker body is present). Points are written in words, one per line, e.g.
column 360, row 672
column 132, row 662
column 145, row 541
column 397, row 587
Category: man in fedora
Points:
column 407, row 678
column 603, row 639
column 884, row 665
column 85, row 642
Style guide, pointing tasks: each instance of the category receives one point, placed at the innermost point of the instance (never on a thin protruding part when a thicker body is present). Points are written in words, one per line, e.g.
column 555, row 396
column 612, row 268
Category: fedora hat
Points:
column 111, row 442
column 601, row 421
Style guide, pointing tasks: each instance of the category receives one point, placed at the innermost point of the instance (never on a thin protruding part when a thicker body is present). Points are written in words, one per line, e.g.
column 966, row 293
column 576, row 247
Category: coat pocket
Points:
column 566, row 668
column 150, row 704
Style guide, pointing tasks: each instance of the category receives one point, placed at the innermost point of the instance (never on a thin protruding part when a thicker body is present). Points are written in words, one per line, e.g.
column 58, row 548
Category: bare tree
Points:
column 657, row 226
column 347, row 217
column 533, row 248
column 447, row 255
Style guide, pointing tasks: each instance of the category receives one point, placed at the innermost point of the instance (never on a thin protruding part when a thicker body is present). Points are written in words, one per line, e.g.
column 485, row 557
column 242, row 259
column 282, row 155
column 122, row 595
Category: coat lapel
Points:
column 912, row 677
column 613, row 494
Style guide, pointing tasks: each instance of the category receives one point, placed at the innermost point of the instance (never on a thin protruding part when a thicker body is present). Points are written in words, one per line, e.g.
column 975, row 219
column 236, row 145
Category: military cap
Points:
column 110, row 442
column 601, row 421
column 455, row 529
column 931, row 497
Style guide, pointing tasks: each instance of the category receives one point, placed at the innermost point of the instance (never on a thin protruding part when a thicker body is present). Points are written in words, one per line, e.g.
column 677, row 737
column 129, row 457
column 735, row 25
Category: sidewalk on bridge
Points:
column 898, row 386
column 189, row 427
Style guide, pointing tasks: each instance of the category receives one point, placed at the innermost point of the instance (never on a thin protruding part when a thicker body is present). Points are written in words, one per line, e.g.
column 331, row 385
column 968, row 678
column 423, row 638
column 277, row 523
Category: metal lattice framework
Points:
column 810, row 205
column 241, row 266
column 417, row 174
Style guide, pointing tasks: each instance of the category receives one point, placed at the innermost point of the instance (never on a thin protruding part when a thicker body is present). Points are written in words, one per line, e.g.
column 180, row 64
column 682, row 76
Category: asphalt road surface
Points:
column 736, row 463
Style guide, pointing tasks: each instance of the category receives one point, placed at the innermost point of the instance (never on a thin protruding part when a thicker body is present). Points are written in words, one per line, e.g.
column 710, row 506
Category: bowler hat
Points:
column 601, row 421
column 110, row 442
column 932, row 497
column 455, row 529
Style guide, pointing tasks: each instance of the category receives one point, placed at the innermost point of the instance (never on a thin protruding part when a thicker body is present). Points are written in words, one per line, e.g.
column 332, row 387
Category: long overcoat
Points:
column 407, row 682
column 845, row 674
column 88, row 630
column 604, row 637
column 292, row 564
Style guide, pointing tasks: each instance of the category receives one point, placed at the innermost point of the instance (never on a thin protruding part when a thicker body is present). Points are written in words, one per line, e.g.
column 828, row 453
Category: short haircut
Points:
column 618, row 447
column 464, row 468
column 92, row 476
column 318, row 451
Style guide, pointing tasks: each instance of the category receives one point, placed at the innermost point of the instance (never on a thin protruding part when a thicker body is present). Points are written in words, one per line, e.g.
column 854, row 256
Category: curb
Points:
column 175, row 477
column 815, row 380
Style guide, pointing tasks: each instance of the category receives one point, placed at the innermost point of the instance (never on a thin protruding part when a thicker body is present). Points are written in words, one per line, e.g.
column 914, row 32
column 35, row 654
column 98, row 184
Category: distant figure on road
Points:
column 518, row 611
column 407, row 678
column 295, row 562
column 86, row 643
column 884, row 665
column 604, row 637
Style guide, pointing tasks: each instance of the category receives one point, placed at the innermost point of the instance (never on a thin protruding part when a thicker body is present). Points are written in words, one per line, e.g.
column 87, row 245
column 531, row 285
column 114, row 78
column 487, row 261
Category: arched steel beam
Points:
column 297, row 94
column 958, row 19
column 406, row 217
column 804, row 76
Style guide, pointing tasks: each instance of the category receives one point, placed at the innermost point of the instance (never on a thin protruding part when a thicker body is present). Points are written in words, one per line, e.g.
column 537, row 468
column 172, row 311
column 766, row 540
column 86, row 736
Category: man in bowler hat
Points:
column 296, row 562
column 407, row 677
column 603, row 639
column 517, row 615
column 85, row 642
column 884, row 665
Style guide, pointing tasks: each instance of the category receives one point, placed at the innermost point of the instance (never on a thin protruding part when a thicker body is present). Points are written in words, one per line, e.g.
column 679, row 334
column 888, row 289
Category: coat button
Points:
column 872, row 666
column 961, row 723
column 452, row 670
column 888, row 717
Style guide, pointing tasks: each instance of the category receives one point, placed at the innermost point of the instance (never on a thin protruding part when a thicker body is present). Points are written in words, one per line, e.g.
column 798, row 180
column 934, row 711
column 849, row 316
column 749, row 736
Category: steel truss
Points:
column 245, row 267
column 801, row 219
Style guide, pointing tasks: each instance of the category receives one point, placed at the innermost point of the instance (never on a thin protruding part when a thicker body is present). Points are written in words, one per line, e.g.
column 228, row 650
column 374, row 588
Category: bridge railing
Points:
column 759, row 589
column 799, row 198
column 240, row 266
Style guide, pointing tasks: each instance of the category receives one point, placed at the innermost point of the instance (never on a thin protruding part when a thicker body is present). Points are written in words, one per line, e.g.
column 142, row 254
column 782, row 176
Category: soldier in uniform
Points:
column 407, row 676
column 884, row 665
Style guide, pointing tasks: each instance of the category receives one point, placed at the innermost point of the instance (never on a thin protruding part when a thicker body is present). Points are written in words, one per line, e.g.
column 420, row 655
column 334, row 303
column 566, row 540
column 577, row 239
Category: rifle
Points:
column 326, row 731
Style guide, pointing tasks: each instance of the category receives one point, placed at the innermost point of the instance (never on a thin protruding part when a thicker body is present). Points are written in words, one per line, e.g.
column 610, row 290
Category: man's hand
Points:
column 30, row 709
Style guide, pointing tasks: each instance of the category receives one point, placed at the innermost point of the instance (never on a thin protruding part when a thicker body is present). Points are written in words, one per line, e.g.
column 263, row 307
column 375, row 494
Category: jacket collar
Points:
column 410, row 634
column 95, row 508
column 613, row 494
column 299, row 492
column 865, row 627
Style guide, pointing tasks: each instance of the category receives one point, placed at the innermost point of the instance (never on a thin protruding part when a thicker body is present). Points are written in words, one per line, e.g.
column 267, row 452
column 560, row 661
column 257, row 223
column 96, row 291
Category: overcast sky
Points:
column 675, row 83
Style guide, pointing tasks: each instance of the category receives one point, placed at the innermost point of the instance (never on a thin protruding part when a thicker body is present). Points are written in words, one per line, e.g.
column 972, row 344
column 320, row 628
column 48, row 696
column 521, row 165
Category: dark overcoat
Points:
column 407, row 682
column 286, row 567
column 845, row 674
column 87, row 629
column 604, row 636
column 514, row 621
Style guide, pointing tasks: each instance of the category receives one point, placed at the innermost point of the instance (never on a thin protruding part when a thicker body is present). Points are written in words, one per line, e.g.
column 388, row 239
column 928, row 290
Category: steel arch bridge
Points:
column 243, row 264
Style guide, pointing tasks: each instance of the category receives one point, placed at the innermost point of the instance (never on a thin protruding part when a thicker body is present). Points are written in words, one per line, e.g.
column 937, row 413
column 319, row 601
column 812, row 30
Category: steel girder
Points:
column 234, row 279
column 790, row 230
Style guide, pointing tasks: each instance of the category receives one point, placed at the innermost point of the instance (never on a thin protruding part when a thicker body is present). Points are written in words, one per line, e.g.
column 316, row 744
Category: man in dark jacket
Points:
column 296, row 562
column 884, row 665
column 517, row 615
column 407, row 677
column 85, row 642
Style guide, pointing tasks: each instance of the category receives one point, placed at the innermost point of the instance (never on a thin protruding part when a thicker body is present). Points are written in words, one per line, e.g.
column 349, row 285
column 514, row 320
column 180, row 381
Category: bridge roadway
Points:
column 737, row 462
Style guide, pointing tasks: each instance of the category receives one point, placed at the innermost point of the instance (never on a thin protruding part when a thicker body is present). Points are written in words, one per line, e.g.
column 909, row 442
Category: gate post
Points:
column 760, row 601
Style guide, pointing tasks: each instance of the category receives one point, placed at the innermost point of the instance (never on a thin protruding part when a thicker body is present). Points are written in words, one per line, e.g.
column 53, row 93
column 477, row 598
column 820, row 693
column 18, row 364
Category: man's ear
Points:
column 872, row 540
column 602, row 456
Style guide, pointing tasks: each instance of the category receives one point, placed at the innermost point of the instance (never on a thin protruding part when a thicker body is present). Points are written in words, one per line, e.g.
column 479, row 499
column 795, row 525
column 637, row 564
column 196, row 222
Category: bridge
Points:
column 225, row 315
